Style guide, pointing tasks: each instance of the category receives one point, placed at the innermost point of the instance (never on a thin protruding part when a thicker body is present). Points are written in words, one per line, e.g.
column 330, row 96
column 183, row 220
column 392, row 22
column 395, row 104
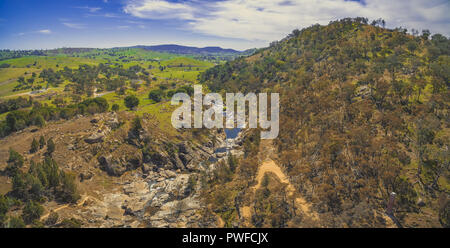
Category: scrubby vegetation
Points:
column 364, row 112
column 42, row 182
column 39, row 114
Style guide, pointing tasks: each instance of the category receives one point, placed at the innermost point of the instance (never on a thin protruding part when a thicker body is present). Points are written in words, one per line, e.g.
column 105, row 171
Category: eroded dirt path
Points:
column 269, row 165
column 83, row 199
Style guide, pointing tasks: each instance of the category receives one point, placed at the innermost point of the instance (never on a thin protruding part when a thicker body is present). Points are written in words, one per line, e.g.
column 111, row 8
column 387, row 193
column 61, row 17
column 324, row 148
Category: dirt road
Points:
column 83, row 199
column 270, row 166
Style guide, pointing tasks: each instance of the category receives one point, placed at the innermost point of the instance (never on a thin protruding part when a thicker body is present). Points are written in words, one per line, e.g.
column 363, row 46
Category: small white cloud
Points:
column 90, row 9
column 110, row 15
column 44, row 31
column 74, row 25
column 107, row 15
column 159, row 9
column 123, row 27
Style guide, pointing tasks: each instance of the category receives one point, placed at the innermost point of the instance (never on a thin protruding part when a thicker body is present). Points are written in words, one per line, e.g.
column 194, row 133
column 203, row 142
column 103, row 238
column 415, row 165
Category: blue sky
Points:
column 238, row 24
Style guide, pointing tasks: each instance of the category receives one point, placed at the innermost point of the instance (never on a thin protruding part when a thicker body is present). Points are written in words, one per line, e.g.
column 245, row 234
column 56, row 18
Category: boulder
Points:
column 113, row 122
column 111, row 166
column 86, row 176
column 148, row 167
column 184, row 148
column 159, row 159
column 176, row 161
column 95, row 138
column 420, row 202
column 134, row 160
column 185, row 158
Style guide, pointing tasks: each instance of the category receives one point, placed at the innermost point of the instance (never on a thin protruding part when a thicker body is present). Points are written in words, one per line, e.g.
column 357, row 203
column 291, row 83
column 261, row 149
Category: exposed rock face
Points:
column 147, row 182
column 111, row 166
column 159, row 200
column 113, row 122
column 157, row 158
column 177, row 162
column 121, row 161
column 148, row 167
column 160, row 191
column 95, row 138
column 134, row 160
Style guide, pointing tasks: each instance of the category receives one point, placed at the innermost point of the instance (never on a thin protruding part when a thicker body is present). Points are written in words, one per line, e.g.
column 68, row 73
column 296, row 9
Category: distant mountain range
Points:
column 177, row 49
column 168, row 48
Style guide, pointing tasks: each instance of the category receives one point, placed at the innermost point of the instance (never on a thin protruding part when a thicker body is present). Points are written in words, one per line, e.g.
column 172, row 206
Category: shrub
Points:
column 156, row 95
column 16, row 222
column 131, row 101
column 50, row 147
column 34, row 146
column 69, row 191
column 136, row 126
column 115, row 107
column 32, row 211
column 41, row 142
column 71, row 223
column 52, row 219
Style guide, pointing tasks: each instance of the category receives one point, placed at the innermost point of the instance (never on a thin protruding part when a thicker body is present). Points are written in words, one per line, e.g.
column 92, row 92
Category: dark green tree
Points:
column 32, row 211
column 15, row 162
column 136, row 126
column 34, row 146
column 4, row 206
column 115, row 107
column 156, row 95
column 50, row 147
column 41, row 142
column 69, row 192
column 131, row 101
column 16, row 222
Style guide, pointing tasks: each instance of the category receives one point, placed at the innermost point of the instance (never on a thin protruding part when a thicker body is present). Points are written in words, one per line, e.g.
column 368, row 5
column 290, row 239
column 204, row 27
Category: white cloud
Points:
column 74, row 25
column 106, row 15
column 268, row 20
column 90, row 9
column 44, row 31
column 159, row 9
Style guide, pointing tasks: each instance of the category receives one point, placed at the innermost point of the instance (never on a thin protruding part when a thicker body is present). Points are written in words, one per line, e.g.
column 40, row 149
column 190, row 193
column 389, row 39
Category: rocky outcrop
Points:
column 116, row 166
column 95, row 138
column 111, row 165
column 156, row 187
column 133, row 160
column 162, row 199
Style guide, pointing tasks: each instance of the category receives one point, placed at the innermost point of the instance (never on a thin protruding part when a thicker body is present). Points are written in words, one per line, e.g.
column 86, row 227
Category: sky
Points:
column 237, row 24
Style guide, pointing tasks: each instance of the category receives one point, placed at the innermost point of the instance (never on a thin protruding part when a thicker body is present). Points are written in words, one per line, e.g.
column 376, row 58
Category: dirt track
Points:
column 270, row 166
column 83, row 199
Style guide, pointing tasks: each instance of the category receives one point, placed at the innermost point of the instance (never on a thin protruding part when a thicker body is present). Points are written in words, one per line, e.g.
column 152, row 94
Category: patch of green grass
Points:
column 183, row 75
column 3, row 116
column 186, row 62
column 55, row 62
column 13, row 73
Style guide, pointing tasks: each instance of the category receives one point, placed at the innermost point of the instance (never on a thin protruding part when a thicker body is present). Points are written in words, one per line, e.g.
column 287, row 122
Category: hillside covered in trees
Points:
column 364, row 112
